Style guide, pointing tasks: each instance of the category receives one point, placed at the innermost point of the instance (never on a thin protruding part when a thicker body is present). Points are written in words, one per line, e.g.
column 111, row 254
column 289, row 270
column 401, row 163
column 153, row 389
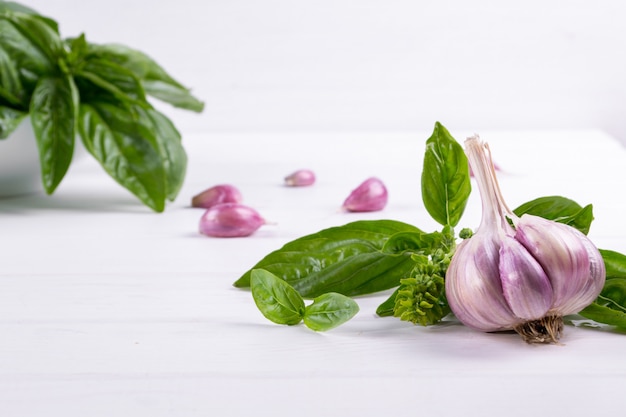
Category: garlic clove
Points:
column 370, row 195
column 300, row 178
column 525, row 285
column 474, row 288
column 218, row 194
column 571, row 261
column 230, row 220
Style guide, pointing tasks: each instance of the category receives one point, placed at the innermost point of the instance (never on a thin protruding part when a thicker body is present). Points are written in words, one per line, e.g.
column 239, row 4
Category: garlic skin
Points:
column 218, row 194
column 300, row 178
column 519, row 273
column 230, row 220
column 370, row 195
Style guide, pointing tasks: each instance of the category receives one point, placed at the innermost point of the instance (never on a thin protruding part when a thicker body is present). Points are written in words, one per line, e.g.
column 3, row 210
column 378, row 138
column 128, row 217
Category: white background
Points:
column 295, row 65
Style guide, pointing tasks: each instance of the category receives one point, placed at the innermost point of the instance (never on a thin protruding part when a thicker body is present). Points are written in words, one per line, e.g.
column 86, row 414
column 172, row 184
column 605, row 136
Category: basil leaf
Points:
column 345, row 259
column 276, row 299
column 122, row 142
column 445, row 178
column 10, row 119
column 156, row 81
column 30, row 61
column 39, row 32
column 10, row 6
column 412, row 241
column 15, row 7
column 53, row 115
column 11, row 88
column 615, row 264
column 173, row 154
column 610, row 306
column 115, row 79
column 603, row 314
column 177, row 96
column 386, row 309
column 329, row 311
column 559, row 209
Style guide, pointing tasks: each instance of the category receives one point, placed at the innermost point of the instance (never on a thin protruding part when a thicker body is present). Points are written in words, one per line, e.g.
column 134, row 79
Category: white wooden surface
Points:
column 109, row 309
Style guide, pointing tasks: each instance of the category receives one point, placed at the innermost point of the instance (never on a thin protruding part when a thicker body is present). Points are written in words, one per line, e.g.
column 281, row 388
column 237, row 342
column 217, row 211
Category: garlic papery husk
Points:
column 519, row 273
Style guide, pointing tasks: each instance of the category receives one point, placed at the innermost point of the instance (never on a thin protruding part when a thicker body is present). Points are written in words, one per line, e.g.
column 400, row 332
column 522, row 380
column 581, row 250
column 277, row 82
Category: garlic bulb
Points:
column 519, row 273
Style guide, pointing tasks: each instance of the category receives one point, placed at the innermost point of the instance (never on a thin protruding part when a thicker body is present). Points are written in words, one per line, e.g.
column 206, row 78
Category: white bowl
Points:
column 20, row 172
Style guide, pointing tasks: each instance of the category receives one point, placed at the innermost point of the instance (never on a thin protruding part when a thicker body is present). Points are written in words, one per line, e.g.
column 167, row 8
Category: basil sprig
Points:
column 101, row 92
column 281, row 303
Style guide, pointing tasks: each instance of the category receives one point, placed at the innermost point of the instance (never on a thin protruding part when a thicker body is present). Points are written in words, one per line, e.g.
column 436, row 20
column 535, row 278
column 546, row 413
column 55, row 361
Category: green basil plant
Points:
column 98, row 91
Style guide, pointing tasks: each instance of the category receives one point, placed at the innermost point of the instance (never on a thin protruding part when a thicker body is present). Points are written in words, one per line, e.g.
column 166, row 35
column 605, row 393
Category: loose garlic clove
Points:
column 224, row 193
column 230, row 220
column 300, row 178
column 370, row 195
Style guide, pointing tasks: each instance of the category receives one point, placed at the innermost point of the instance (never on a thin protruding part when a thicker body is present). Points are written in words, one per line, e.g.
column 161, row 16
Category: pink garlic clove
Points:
column 371, row 195
column 218, row 194
column 300, row 178
column 230, row 220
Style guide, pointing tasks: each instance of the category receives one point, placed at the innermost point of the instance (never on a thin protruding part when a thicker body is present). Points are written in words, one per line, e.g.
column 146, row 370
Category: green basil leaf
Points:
column 123, row 144
column 610, row 306
column 10, row 119
column 329, row 311
column 615, row 264
column 11, row 88
column 559, row 209
column 39, row 32
column 156, row 81
column 412, row 241
column 173, row 154
column 53, row 115
column 276, row 299
column 387, row 308
column 603, row 314
column 113, row 78
column 10, row 6
column 345, row 259
column 30, row 61
column 180, row 97
column 445, row 178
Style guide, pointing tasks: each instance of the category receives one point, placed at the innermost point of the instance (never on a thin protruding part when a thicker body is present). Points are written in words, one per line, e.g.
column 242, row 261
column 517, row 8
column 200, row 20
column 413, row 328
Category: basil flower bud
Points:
column 519, row 273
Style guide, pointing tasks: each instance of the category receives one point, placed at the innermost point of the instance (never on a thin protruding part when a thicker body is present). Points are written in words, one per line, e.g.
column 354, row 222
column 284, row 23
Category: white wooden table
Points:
column 108, row 309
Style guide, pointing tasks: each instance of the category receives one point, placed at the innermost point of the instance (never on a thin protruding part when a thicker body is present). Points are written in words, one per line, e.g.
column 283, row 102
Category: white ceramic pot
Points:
column 20, row 172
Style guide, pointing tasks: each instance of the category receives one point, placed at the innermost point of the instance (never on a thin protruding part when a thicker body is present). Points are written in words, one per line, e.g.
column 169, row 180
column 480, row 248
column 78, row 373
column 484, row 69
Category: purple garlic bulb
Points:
column 519, row 273
column 300, row 178
column 230, row 220
column 218, row 194
column 371, row 195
